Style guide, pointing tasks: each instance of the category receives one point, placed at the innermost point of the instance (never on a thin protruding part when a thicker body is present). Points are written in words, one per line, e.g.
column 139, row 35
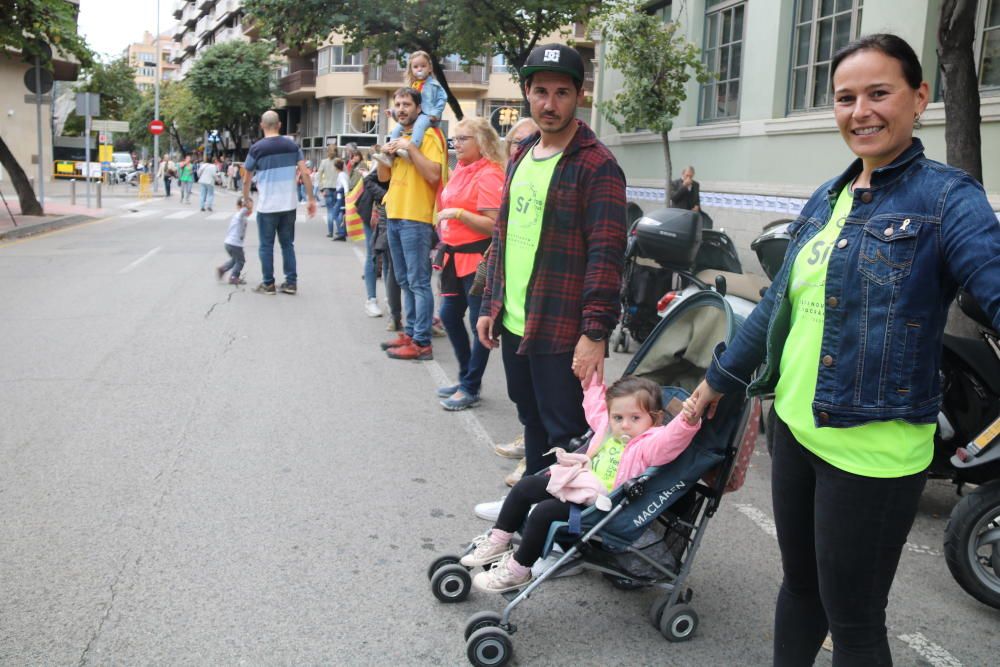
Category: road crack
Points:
column 222, row 303
column 107, row 610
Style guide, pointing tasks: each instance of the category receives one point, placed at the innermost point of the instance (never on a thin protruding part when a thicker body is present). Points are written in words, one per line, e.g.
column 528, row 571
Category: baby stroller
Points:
column 666, row 251
column 651, row 532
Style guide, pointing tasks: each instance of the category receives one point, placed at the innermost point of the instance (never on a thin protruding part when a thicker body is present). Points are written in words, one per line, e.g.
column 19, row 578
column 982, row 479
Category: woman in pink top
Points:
column 467, row 208
column 628, row 438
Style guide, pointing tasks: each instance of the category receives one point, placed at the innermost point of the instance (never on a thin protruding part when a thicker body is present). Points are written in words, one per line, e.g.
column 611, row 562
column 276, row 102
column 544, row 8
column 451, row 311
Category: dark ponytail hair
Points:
column 647, row 394
column 888, row 44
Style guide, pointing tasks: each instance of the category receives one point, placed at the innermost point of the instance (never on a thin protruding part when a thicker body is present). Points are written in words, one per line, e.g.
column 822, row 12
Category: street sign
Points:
column 109, row 125
column 94, row 108
column 156, row 127
column 102, row 138
column 46, row 77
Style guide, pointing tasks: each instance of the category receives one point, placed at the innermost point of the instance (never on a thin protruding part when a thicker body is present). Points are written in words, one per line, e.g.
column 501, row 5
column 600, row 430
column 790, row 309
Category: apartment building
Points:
column 334, row 97
column 202, row 23
column 761, row 135
column 18, row 124
column 141, row 57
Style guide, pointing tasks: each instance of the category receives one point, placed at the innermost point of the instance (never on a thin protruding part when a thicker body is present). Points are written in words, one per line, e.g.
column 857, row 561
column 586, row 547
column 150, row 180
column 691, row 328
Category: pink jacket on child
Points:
column 655, row 447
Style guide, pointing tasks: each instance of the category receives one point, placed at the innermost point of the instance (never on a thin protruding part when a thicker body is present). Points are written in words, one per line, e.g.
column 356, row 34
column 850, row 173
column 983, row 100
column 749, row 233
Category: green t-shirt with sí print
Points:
column 877, row 449
column 529, row 189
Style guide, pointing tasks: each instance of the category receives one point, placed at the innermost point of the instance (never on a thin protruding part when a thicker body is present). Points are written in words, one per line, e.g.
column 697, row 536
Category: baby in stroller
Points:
column 629, row 437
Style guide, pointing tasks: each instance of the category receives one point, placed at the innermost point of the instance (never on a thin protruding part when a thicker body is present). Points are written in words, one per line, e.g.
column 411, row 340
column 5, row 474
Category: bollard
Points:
column 72, row 192
column 99, row 194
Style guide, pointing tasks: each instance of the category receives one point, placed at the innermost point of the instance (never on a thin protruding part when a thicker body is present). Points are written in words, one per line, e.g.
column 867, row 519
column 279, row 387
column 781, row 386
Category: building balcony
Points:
column 204, row 5
column 298, row 85
column 179, row 8
column 390, row 76
column 204, row 26
column 179, row 30
column 190, row 17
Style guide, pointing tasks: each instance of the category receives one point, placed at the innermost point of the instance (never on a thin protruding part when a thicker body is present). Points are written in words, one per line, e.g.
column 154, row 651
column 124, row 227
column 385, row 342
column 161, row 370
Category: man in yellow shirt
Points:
column 409, row 204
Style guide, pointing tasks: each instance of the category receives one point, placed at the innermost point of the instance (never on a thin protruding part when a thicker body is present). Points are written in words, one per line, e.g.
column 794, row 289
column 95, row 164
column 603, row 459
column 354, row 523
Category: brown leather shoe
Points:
column 399, row 341
column 412, row 351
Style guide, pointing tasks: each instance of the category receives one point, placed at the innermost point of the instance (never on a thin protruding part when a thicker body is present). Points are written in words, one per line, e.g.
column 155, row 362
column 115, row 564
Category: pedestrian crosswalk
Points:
column 191, row 214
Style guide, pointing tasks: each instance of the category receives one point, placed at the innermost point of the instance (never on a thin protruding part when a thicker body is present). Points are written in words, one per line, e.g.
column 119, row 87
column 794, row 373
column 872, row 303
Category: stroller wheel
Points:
column 489, row 647
column 451, row 583
column 621, row 341
column 481, row 619
column 678, row 623
column 656, row 609
column 441, row 562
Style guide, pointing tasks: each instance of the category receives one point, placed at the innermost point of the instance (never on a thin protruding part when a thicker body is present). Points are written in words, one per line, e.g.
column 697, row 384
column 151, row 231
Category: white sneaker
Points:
column 372, row 309
column 486, row 551
column 384, row 159
column 489, row 511
column 499, row 578
column 403, row 153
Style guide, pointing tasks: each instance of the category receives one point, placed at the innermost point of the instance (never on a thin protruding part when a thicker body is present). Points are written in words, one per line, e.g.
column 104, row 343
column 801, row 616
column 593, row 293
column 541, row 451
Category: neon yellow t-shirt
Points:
column 528, row 191
column 410, row 197
column 877, row 449
column 606, row 461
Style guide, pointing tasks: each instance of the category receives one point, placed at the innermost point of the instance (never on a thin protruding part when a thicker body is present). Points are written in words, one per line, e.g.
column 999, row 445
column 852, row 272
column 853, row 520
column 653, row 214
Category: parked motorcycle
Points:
column 966, row 449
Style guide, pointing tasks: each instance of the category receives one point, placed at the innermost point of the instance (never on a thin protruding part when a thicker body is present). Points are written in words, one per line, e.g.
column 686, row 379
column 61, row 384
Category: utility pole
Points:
column 156, row 104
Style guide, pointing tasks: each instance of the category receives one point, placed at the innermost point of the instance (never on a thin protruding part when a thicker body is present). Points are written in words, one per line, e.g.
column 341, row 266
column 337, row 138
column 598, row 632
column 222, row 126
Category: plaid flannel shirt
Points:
column 576, row 279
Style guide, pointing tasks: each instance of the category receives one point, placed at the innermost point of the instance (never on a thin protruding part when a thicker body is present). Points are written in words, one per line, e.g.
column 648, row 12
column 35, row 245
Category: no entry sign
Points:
column 156, row 127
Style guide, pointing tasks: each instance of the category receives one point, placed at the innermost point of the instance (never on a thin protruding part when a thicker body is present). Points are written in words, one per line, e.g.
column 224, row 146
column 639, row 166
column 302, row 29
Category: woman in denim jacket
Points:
column 849, row 336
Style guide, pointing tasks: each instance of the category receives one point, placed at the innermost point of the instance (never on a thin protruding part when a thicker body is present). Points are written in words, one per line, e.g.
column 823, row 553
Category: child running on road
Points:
column 628, row 438
column 234, row 245
column 432, row 101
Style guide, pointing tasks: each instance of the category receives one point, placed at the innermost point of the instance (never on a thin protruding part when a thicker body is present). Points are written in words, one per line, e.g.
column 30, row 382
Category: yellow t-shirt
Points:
column 410, row 197
column 606, row 461
column 892, row 448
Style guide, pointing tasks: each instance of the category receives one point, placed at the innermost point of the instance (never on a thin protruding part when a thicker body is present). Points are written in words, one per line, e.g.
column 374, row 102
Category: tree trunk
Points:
column 669, row 169
column 443, row 80
column 960, row 87
column 25, row 195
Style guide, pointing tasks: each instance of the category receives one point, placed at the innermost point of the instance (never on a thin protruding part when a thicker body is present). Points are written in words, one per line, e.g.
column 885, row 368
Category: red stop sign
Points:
column 156, row 127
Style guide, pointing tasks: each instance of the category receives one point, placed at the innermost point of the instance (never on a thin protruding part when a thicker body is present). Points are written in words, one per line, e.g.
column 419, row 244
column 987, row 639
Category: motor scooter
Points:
column 966, row 441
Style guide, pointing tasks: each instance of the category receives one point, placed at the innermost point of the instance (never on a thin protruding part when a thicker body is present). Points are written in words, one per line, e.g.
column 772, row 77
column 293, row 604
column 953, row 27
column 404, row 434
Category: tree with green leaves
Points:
column 390, row 28
column 656, row 63
column 115, row 82
column 231, row 85
column 31, row 28
column 180, row 114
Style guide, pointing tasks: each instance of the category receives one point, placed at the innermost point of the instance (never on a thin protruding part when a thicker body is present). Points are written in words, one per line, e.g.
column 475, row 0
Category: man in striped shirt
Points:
column 274, row 160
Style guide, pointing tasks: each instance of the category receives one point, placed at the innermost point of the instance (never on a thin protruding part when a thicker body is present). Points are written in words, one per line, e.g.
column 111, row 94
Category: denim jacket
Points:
column 918, row 233
column 433, row 98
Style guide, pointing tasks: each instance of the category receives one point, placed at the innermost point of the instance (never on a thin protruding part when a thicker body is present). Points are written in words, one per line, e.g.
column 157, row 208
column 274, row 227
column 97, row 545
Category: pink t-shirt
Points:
column 475, row 187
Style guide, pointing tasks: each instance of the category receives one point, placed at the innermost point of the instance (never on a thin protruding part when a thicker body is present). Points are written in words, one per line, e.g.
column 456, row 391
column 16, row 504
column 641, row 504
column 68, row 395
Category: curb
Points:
column 41, row 228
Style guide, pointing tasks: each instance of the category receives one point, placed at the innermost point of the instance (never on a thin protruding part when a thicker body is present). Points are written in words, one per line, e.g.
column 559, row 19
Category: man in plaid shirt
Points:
column 552, row 288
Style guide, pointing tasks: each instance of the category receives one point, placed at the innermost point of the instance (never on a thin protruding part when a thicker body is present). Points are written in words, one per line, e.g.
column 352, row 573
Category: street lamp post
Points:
column 156, row 102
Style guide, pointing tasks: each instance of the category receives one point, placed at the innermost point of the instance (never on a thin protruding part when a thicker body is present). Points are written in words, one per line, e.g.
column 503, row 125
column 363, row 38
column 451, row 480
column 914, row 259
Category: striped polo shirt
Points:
column 273, row 160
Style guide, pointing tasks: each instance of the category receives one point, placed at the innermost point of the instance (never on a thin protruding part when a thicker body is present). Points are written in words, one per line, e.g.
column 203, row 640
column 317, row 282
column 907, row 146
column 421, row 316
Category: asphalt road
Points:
column 194, row 474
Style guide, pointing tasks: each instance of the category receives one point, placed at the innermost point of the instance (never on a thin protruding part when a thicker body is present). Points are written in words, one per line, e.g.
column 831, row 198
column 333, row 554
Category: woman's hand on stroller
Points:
column 702, row 398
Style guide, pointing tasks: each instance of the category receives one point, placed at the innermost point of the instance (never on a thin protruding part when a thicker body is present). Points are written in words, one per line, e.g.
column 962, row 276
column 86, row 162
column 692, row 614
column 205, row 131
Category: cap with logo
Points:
column 554, row 58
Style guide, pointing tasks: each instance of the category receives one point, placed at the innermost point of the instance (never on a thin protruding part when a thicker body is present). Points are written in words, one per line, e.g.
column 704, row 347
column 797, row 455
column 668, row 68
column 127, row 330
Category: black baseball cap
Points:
column 554, row 58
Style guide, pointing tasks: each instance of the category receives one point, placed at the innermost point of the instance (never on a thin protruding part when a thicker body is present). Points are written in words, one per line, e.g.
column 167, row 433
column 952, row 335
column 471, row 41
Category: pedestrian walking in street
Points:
column 166, row 172
column 413, row 186
column 419, row 76
column 370, row 199
column 276, row 161
column 340, row 199
column 850, row 335
column 467, row 208
column 555, row 266
column 629, row 437
column 327, row 179
column 206, row 181
column 235, row 235
column 185, row 176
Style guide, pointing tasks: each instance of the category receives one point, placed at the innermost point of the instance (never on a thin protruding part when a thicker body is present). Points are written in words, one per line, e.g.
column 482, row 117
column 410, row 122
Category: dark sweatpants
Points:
column 236, row 260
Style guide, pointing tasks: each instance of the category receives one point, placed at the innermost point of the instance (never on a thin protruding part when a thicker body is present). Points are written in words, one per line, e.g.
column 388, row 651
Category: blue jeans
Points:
column 330, row 199
column 282, row 223
column 548, row 397
column 340, row 229
column 420, row 127
column 302, row 192
column 410, row 245
column 369, row 261
column 840, row 537
column 207, row 195
column 471, row 362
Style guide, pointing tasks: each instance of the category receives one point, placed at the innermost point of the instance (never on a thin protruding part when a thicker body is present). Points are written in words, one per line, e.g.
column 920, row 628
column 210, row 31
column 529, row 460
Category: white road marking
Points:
column 221, row 215
column 136, row 203
column 141, row 214
column 923, row 549
column 141, row 259
column 180, row 215
column 929, row 651
column 762, row 520
column 468, row 418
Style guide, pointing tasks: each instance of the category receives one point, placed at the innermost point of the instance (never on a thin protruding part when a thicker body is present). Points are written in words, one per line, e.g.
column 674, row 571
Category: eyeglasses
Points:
column 462, row 138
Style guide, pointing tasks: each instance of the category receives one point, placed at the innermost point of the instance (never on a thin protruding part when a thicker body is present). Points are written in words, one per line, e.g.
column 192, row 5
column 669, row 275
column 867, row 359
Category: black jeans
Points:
column 528, row 491
column 548, row 397
column 840, row 537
